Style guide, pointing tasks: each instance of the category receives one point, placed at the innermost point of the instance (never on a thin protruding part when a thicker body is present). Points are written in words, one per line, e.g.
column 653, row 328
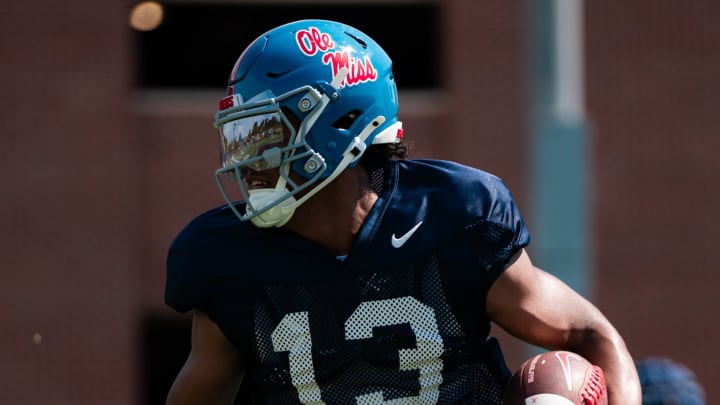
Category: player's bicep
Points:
column 213, row 370
column 536, row 307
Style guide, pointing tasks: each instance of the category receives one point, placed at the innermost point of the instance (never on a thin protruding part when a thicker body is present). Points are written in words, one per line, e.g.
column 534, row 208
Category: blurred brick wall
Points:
column 98, row 177
column 70, row 242
column 653, row 76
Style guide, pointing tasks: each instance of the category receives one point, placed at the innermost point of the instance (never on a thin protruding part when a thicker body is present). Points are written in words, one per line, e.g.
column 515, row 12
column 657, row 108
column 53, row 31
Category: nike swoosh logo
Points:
column 398, row 242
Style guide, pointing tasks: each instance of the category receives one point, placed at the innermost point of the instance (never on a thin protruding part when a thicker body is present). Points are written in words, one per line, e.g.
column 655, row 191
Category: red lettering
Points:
column 311, row 41
column 359, row 71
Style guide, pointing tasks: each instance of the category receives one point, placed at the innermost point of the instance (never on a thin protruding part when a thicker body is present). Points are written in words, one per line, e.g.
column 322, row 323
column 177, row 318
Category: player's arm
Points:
column 213, row 371
column 540, row 309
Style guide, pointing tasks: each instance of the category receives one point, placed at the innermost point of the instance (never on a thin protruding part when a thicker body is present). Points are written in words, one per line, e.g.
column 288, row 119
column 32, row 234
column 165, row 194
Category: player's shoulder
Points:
column 449, row 174
column 454, row 184
column 207, row 238
column 217, row 217
column 455, row 200
column 211, row 249
column 210, row 227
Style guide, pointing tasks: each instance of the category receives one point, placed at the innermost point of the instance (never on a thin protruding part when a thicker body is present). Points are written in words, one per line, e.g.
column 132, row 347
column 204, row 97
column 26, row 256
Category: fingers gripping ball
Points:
column 556, row 378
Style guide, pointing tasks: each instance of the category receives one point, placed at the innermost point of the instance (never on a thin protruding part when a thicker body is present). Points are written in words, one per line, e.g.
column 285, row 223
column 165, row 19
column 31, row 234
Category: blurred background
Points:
column 602, row 117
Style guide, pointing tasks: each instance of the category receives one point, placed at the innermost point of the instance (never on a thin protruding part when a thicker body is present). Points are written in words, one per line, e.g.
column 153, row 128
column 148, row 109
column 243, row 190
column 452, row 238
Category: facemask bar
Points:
column 297, row 149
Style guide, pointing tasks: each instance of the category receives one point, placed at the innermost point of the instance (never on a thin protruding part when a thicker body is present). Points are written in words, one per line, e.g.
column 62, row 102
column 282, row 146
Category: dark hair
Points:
column 378, row 155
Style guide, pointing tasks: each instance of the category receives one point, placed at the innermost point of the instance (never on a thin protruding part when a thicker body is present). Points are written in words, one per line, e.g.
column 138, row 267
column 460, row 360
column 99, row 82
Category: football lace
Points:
column 594, row 388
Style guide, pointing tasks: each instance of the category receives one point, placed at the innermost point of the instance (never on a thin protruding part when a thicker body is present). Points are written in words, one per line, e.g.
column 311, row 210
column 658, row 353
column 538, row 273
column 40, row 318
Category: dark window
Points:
column 165, row 346
column 197, row 44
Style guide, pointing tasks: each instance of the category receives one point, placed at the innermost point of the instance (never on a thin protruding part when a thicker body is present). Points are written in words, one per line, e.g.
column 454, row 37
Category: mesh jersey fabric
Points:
column 404, row 324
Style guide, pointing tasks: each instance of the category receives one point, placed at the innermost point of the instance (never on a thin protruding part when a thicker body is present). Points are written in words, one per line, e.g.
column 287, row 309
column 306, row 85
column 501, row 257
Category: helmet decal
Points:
column 312, row 40
column 333, row 90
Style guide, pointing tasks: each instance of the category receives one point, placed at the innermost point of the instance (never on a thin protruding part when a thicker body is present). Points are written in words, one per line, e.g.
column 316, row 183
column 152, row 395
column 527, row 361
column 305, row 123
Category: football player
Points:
column 340, row 272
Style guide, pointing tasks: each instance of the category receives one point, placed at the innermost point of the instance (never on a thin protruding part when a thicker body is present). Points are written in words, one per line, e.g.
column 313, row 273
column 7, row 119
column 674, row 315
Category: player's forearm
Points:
column 607, row 349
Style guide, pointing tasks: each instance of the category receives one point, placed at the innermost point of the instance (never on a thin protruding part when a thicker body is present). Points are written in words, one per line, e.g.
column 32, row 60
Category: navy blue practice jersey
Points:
column 400, row 320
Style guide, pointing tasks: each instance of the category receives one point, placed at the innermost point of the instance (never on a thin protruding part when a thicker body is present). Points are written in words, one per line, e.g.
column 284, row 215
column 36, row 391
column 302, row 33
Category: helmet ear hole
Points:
column 347, row 120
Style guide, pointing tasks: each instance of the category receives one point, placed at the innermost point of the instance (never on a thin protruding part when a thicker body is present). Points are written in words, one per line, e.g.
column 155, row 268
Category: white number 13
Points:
column 293, row 335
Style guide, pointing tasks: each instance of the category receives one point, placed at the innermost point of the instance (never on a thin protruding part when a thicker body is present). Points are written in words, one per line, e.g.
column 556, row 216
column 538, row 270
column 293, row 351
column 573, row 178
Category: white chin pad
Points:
column 276, row 216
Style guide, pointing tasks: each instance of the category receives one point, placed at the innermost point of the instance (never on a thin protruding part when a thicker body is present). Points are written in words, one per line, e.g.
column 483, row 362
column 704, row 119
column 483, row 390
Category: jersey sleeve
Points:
column 485, row 213
column 481, row 203
column 488, row 230
column 469, row 212
column 182, row 291
column 203, row 273
column 501, row 232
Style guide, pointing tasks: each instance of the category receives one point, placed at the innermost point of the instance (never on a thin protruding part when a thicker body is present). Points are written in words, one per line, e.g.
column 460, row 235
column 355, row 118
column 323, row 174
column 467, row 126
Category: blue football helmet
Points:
column 306, row 98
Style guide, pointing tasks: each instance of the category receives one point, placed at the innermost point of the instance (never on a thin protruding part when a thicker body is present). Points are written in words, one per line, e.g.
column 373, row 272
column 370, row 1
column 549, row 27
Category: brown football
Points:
column 557, row 378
